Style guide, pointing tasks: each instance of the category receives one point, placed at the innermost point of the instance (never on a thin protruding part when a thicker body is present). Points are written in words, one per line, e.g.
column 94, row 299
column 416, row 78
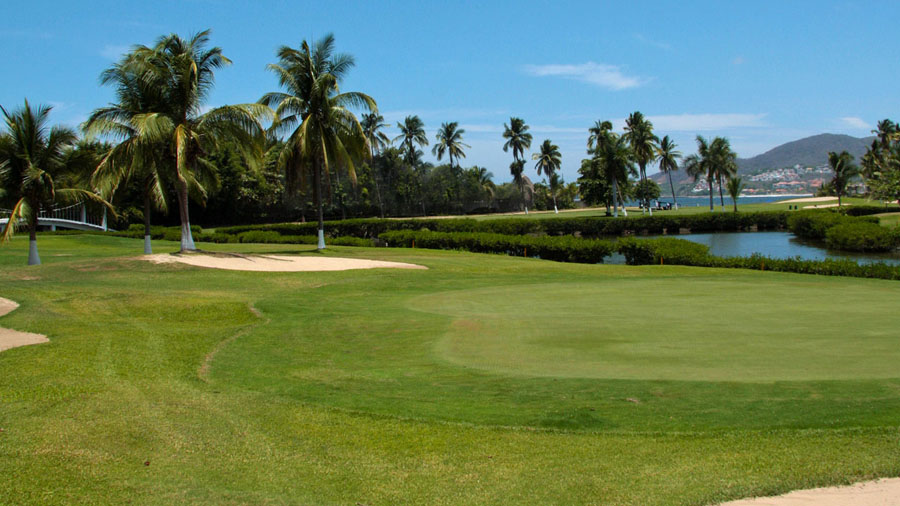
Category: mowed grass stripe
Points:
column 341, row 398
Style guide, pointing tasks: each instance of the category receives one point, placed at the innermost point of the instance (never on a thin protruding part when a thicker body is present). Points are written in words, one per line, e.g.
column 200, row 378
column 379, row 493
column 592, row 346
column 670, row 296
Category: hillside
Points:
column 807, row 152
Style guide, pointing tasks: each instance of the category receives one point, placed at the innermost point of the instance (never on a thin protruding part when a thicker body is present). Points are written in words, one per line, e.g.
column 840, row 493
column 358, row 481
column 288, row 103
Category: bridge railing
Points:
column 77, row 213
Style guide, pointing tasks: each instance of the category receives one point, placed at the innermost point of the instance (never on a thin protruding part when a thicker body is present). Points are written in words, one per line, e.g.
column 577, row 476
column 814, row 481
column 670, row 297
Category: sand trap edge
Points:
column 274, row 263
column 13, row 338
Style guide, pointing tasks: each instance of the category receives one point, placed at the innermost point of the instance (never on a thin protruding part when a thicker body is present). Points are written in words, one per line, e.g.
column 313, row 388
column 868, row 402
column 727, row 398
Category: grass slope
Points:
column 169, row 384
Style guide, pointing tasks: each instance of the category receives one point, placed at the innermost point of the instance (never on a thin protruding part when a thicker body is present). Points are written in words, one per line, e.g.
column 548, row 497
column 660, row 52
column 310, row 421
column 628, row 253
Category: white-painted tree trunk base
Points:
column 33, row 257
column 625, row 211
column 555, row 210
column 321, row 239
column 187, row 240
column 148, row 249
column 526, row 209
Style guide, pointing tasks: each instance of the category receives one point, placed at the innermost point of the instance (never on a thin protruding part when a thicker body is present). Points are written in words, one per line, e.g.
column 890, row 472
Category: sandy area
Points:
column 275, row 263
column 884, row 492
column 823, row 206
column 807, row 199
column 13, row 338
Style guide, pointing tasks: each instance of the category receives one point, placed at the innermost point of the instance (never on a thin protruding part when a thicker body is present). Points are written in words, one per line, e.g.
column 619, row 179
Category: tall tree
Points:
column 844, row 170
column 616, row 158
column 639, row 133
column 324, row 133
column 412, row 134
column 702, row 165
column 725, row 163
column 140, row 153
column 183, row 73
column 549, row 159
column 518, row 139
column 449, row 140
column 667, row 156
column 372, row 124
column 31, row 158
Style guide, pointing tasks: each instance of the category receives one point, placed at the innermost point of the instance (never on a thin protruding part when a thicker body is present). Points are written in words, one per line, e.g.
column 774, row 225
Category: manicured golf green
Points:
column 484, row 379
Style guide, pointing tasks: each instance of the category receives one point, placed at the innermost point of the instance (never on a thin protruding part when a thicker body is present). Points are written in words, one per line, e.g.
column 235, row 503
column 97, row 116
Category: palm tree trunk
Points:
column 317, row 194
column 148, row 249
column 187, row 240
column 672, row 186
column 712, row 205
column 721, row 198
column 645, row 204
column 555, row 210
column 615, row 197
column 33, row 257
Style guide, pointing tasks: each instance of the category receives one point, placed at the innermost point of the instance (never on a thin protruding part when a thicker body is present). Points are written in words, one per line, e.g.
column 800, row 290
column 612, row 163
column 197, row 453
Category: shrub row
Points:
column 843, row 231
column 664, row 250
column 862, row 236
column 560, row 249
column 594, row 226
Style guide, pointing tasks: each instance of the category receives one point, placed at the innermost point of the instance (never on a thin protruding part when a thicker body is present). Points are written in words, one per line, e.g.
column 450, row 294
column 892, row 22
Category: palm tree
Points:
column 518, row 139
column 449, row 140
column 372, row 123
column 548, row 162
column 31, row 157
column 668, row 161
column 639, row 133
column 701, row 165
column 483, row 180
column 324, row 133
column 598, row 133
column 139, row 154
column 735, row 187
column 844, row 170
column 725, row 163
column 412, row 133
column 615, row 155
column 182, row 71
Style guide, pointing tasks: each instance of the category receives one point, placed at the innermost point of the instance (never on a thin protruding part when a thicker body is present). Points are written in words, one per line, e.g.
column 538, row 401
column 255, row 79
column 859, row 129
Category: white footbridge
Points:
column 76, row 217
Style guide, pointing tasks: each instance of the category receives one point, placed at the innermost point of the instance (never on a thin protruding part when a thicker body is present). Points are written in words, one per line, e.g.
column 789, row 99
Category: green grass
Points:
column 485, row 379
column 889, row 219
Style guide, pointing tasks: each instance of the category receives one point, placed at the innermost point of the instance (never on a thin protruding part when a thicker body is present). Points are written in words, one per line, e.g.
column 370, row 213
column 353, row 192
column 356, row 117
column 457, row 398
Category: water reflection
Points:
column 779, row 245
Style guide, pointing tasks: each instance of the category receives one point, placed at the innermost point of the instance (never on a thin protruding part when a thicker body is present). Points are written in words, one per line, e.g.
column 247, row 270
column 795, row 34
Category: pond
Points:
column 775, row 245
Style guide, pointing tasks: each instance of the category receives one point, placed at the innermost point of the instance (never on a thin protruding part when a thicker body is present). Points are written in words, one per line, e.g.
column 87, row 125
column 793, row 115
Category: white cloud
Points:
column 704, row 122
column 113, row 52
column 600, row 74
column 854, row 122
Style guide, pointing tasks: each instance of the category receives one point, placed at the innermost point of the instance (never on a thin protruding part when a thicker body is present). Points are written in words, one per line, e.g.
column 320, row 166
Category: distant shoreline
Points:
column 767, row 196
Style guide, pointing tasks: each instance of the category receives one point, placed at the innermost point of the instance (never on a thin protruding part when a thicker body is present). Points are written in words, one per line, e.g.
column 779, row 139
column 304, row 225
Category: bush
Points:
column 560, row 249
column 662, row 250
column 862, row 236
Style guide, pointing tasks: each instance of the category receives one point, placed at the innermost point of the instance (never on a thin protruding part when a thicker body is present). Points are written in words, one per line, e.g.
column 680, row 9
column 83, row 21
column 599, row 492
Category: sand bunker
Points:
column 13, row 338
column 807, row 199
column 871, row 493
column 822, row 206
column 276, row 263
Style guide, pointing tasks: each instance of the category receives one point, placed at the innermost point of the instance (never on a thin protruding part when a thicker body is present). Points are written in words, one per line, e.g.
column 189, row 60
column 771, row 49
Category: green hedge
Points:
column 560, row 249
column 593, row 226
column 862, row 236
column 664, row 250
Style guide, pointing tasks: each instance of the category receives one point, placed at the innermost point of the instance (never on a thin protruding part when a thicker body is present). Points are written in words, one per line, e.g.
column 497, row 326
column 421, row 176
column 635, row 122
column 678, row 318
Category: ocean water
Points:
column 703, row 201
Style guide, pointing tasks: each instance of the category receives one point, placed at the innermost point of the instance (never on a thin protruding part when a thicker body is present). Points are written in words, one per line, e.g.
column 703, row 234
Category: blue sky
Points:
column 760, row 73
